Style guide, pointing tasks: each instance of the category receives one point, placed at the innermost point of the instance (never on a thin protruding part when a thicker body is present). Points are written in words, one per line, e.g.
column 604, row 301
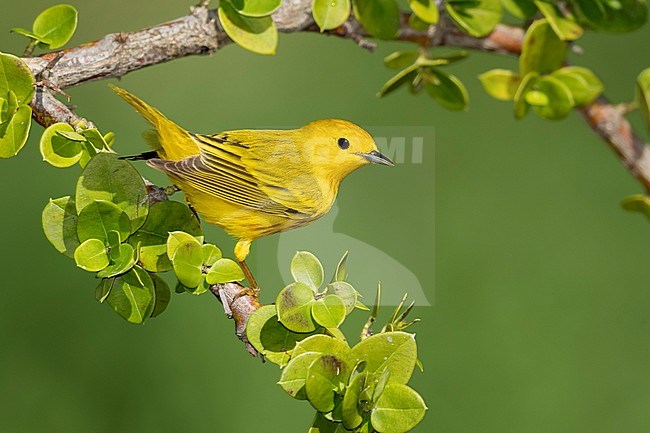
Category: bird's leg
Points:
column 254, row 289
column 241, row 252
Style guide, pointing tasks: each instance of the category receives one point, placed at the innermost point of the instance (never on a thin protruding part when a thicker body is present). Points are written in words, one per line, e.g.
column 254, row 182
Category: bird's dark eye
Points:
column 343, row 143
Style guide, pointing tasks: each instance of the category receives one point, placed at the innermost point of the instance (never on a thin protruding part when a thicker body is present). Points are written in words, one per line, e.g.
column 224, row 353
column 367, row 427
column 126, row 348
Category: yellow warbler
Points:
column 254, row 183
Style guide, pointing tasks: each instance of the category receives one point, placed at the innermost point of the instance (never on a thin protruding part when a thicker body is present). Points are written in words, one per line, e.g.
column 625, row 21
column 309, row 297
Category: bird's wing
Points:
column 276, row 162
column 219, row 171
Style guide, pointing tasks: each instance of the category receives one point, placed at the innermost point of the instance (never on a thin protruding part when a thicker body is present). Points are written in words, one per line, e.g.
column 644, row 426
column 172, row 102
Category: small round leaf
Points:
column 91, row 255
column 447, row 90
column 97, row 219
column 426, row 10
column 255, row 8
column 294, row 307
column 258, row 35
column 500, row 83
column 60, row 224
column 56, row 25
column 188, row 263
column 16, row 76
column 398, row 410
column 224, row 271
column 379, row 17
column 58, row 150
column 330, row 14
column 329, row 311
column 395, row 351
column 324, row 376
column 17, row 131
column 307, row 269
column 477, row 18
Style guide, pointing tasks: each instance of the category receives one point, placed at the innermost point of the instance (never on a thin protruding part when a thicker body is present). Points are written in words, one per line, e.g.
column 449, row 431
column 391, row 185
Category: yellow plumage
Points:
column 254, row 183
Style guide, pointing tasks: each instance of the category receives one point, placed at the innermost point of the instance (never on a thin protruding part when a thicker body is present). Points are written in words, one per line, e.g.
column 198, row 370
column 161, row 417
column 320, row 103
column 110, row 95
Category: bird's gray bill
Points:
column 377, row 158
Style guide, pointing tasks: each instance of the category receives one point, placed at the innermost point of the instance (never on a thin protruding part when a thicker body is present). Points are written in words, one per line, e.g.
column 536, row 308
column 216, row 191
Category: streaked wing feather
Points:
column 218, row 171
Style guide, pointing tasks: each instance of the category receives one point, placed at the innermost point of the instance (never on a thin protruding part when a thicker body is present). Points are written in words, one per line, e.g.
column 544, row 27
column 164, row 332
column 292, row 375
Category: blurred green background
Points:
column 539, row 282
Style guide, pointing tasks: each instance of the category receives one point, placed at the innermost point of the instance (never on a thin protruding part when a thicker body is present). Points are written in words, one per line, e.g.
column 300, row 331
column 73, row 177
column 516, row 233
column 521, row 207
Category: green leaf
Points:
column 176, row 238
column 94, row 137
column 188, row 264
column 477, row 18
column 398, row 410
column 346, row 292
column 521, row 106
column 58, row 150
column 447, row 90
column 59, row 221
column 123, row 258
column 401, row 59
column 104, row 289
column 583, row 84
column 351, row 410
column 255, row 8
column 330, row 14
column 56, row 25
column 560, row 101
column 224, row 271
column 294, row 374
column 16, row 76
column 380, row 385
column 542, row 50
column 323, row 344
column 270, row 337
column 329, row 311
column 324, row 376
column 520, row 8
column 162, row 295
column 258, row 35
column 565, row 27
column 72, row 136
column 417, row 24
column 27, row 33
column 99, row 218
column 211, row 253
column 307, row 269
column 500, row 83
column 91, row 255
column 536, row 98
column 612, row 16
column 341, row 273
column 380, row 18
column 16, row 133
column 643, row 95
column 111, row 179
column 637, row 203
column 113, row 240
column 201, row 288
column 396, row 351
column 398, row 80
column 109, row 138
column 164, row 217
column 426, row 10
column 294, row 307
column 133, row 295
column 323, row 425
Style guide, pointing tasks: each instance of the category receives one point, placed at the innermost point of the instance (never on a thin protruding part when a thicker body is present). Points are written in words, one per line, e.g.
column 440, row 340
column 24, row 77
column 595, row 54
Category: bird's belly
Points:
column 240, row 221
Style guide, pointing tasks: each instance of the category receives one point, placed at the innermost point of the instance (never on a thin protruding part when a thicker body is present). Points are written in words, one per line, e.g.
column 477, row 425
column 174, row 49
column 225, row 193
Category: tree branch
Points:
column 200, row 33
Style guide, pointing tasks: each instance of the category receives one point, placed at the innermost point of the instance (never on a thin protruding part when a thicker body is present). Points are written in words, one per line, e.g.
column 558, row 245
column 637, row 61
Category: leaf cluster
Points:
column 361, row 388
column 110, row 228
column 542, row 82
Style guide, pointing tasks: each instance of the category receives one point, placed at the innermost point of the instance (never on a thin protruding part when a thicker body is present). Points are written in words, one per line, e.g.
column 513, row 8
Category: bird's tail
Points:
column 174, row 143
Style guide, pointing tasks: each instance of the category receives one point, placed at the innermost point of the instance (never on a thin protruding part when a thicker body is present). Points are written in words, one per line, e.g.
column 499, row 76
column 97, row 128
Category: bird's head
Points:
column 339, row 147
